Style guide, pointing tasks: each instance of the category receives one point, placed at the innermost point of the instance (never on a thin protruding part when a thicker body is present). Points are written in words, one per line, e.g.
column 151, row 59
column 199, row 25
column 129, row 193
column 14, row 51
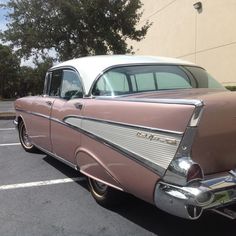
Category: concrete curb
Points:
column 7, row 115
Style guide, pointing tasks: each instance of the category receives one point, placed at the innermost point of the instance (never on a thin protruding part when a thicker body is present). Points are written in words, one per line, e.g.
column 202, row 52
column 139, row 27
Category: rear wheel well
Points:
column 19, row 120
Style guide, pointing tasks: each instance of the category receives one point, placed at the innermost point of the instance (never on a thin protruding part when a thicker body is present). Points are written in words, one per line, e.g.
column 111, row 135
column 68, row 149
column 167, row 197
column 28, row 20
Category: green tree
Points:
column 73, row 28
column 32, row 79
column 9, row 67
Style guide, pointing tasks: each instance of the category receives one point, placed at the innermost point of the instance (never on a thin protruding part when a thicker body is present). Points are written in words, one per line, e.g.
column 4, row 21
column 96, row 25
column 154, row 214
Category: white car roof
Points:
column 91, row 67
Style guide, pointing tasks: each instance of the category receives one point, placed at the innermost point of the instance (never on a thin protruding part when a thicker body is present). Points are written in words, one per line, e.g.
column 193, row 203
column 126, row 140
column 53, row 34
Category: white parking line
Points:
column 41, row 183
column 7, row 129
column 9, row 144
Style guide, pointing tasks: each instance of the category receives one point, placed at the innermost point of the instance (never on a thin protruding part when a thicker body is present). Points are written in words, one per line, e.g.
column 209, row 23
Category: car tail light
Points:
column 194, row 173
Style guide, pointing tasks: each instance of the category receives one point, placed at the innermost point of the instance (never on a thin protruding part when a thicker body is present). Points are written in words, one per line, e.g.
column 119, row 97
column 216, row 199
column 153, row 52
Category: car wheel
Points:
column 104, row 194
column 24, row 138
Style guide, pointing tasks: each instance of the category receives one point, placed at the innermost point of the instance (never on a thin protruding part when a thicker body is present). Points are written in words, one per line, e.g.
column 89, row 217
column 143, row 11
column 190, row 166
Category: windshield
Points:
column 136, row 79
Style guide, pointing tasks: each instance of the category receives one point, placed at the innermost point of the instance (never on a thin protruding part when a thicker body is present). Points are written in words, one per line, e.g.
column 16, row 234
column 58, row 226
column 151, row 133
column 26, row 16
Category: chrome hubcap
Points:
column 25, row 137
column 102, row 187
column 98, row 187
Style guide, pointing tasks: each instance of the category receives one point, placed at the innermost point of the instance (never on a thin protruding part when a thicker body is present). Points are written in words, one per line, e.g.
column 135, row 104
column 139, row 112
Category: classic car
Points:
column 158, row 128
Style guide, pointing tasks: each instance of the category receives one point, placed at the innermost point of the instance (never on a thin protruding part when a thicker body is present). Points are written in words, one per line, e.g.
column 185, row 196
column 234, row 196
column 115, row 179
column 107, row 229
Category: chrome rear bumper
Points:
column 190, row 201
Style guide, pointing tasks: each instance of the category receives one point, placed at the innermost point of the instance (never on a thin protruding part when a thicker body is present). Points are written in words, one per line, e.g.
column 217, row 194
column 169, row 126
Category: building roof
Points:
column 91, row 67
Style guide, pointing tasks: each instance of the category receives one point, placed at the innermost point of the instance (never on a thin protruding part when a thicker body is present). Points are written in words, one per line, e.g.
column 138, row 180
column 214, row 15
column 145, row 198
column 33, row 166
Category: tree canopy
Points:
column 9, row 67
column 20, row 81
column 73, row 28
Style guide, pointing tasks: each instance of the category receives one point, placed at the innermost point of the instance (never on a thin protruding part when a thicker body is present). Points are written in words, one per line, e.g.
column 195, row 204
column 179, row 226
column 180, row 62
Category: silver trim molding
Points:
column 182, row 162
column 193, row 102
column 57, row 157
column 155, row 153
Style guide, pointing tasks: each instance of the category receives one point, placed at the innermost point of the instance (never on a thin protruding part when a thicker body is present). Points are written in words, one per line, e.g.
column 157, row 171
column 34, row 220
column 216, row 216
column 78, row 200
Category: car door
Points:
column 41, row 110
column 65, row 140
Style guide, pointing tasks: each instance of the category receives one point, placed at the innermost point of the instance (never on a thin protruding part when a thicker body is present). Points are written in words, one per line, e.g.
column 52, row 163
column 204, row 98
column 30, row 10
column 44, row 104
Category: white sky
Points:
column 2, row 16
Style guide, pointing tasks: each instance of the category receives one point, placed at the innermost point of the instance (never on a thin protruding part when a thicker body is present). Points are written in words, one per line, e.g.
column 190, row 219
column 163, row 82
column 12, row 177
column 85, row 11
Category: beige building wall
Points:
column 207, row 38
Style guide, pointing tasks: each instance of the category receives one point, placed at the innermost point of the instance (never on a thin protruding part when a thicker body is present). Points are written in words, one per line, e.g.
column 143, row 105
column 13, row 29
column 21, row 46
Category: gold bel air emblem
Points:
column 156, row 138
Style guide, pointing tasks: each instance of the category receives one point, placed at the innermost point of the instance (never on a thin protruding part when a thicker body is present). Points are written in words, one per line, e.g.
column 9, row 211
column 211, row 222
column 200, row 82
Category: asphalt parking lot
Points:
column 41, row 196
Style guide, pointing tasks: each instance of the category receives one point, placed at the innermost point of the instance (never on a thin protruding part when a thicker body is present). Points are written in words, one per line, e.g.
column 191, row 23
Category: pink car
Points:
column 161, row 129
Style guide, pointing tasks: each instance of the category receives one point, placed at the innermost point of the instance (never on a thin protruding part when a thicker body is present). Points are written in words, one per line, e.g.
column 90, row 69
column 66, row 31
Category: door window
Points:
column 55, row 85
column 71, row 85
column 65, row 84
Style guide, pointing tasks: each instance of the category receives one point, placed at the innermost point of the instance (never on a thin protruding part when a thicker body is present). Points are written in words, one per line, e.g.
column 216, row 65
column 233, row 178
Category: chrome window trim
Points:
column 47, row 82
column 131, row 65
column 70, row 68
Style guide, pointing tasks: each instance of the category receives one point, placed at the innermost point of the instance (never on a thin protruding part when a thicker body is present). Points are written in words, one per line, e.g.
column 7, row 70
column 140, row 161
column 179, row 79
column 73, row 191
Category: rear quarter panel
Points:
column 132, row 176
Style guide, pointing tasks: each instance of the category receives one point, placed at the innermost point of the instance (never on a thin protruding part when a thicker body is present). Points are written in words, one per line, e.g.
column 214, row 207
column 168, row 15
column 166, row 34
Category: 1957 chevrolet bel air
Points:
column 161, row 129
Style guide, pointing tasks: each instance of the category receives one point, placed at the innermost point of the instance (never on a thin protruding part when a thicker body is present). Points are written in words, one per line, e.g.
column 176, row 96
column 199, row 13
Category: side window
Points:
column 55, row 83
column 111, row 84
column 167, row 80
column 71, row 86
column 145, row 82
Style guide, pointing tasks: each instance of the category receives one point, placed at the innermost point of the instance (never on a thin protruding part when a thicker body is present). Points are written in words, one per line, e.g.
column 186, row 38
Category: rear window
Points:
column 134, row 79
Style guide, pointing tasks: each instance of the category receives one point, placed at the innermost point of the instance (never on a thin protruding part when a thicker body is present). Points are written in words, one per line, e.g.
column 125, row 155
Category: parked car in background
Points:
column 161, row 129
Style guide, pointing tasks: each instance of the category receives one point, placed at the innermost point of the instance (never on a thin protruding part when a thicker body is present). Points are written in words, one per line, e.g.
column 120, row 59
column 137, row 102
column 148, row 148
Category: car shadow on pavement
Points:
column 66, row 170
column 154, row 220
column 163, row 224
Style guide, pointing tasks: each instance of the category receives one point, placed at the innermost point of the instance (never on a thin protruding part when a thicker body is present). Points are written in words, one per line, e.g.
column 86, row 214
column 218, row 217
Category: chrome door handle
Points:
column 78, row 105
column 49, row 103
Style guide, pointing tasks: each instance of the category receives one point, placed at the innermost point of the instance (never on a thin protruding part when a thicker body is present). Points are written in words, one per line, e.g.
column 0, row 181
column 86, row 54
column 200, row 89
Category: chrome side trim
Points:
column 193, row 102
column 196, row 116
column 102, row 181
column 178, row 168
column 33, row 113
column 132, row 148
column 57, row 157
column 154, row 168
column 146, row 163
column 145, row 128
column 103, row 121
column 181, row 163
column 154, row 147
